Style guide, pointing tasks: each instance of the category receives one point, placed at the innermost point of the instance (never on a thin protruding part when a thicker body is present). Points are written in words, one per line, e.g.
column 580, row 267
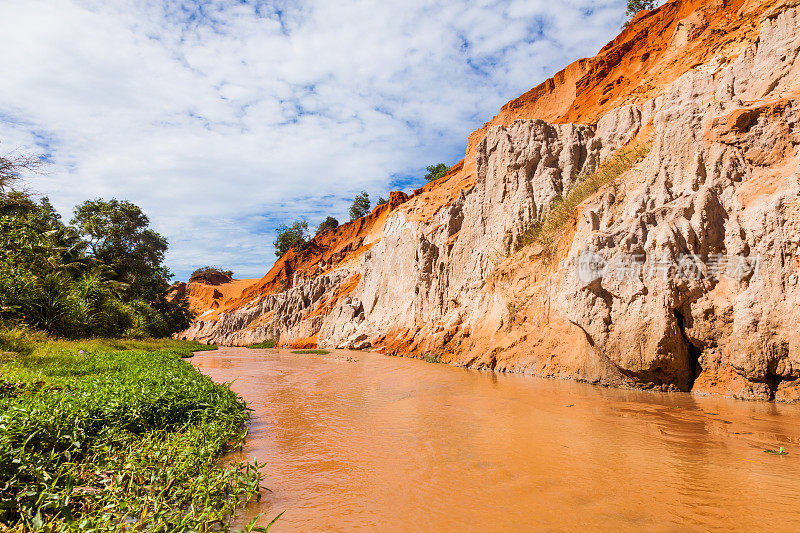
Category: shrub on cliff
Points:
column 436, row 171
column 211, row 275
column 634, row 6
column 360, row 206
column 294, row 236
column 328, row 223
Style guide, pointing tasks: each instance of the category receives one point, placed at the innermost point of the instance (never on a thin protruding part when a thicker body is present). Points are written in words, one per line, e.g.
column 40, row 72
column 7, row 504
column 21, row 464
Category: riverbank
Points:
column 106, row 435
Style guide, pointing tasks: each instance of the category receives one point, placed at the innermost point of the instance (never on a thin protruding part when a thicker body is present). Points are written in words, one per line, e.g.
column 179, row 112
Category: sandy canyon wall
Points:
column 682, row 274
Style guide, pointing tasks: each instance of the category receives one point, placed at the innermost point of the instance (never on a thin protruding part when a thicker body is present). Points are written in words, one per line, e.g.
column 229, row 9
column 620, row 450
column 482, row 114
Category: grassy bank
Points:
column 116, row 435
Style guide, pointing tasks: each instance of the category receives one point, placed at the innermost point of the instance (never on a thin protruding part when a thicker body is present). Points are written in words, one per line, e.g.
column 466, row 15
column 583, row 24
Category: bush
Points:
column 19, row 341
column 328, row 223
column 294, row 236
column 634, row 6
column 436, row 171
column 210, row 270
column 381, row 200
column 360, row 206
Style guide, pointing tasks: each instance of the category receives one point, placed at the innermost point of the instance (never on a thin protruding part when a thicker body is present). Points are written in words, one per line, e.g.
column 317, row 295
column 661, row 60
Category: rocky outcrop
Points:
column 681, row 274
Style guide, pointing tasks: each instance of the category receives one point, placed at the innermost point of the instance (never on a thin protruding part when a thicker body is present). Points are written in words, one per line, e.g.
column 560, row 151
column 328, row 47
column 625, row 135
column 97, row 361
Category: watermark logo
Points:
column 591, row 266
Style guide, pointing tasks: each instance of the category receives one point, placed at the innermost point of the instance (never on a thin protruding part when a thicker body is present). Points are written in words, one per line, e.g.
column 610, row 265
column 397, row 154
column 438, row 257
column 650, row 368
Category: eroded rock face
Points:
column 720, row 185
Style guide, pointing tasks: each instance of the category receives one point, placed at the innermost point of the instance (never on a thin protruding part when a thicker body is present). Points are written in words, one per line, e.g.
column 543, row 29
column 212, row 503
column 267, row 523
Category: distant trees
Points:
column 381, row 200
column 210, row 272
column 436, row 171
column 634, row 6
column 360, row 207
column 294, row 236
column 328, row 223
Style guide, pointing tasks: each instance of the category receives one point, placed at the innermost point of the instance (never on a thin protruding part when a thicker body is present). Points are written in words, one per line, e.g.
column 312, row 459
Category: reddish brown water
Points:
column 354, row 440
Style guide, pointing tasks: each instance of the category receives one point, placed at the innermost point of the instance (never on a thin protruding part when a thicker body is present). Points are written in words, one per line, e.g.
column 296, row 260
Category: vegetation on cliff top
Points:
column 360, row 206
column 436, row 171
column 634, row 6
column 288, row 237
column 210, row 272
column 328, row 223
column 117, row 435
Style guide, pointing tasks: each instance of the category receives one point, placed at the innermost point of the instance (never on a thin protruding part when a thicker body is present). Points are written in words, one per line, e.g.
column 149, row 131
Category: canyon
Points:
column 702, row 228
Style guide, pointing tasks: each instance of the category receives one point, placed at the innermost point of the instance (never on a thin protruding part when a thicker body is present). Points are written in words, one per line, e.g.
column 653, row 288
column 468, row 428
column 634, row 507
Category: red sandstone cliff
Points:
column 711, row 89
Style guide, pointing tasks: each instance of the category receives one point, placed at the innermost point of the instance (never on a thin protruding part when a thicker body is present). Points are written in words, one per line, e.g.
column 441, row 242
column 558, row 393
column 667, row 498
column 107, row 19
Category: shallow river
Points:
column 355, row 440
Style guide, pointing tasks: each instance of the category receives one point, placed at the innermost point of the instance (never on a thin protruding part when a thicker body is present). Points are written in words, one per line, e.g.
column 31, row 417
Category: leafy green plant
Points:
column 436, row 171
column 251, row 526
column 314, row 351
column 547, row 230
column 360, row 206
column 19, row 341
column 103, row 278
column 634, row 6
column 328, row 223
column 288, row 237
column 109, row 440
column 269, row 343
column 118, row 234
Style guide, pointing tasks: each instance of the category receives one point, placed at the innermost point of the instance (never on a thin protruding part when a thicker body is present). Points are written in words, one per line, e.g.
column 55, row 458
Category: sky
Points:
column 224, row 118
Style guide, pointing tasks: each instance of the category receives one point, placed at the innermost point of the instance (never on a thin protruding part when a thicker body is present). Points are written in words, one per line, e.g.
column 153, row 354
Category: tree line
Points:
column 296, row 235
column 101, row 274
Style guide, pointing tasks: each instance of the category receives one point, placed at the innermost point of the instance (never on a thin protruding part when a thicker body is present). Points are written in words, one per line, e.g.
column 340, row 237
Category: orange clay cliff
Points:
column 677, row 142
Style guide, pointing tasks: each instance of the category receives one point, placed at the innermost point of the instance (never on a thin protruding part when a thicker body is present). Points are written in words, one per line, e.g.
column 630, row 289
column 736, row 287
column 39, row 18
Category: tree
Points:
column 106, row 277
column 381, row 200
column 12, row 167
column 294, row 236
column 328, row 223
column 360, row 206
column 634, row 6
column 436, row 171
column 118, row 234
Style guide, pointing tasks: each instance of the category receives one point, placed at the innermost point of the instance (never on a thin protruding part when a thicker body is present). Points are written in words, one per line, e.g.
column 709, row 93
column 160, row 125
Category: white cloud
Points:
column 222, row 118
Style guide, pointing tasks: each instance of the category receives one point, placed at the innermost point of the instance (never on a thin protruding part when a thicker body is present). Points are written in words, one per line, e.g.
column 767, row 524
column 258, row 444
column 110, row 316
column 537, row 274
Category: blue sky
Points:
column 225, row 118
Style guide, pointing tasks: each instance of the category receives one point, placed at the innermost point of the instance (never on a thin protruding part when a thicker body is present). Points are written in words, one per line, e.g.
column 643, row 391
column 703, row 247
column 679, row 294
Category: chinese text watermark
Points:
column 592, row 266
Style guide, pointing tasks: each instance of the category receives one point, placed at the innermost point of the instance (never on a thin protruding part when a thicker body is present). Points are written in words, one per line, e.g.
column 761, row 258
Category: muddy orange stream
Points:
column 355, row 440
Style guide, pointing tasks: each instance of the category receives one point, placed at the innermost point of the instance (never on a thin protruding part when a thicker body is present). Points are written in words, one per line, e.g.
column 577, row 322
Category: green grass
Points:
column 780, row 451
column 431, row 358
column 269, row 343
column 123, row 436
column 317, row 352
column 549, row 229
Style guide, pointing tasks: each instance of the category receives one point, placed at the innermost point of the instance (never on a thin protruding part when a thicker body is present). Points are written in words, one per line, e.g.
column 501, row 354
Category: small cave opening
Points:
column 694, row 350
